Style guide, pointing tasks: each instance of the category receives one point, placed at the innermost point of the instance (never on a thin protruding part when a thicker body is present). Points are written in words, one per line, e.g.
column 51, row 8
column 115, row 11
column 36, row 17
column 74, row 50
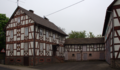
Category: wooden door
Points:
column 66, row 55
column 54, row 50
column 84, row 56
column 26, row 61
column 78, row 56
column 102, row 56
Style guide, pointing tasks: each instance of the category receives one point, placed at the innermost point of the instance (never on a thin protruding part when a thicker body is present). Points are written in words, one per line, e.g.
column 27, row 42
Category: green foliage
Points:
column 82, row 34
column 75, row 34
column 3, row 22
column 91, row 35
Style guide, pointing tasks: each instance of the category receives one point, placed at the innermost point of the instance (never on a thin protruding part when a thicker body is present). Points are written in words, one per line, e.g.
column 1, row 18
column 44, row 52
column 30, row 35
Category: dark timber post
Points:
column 113, row 61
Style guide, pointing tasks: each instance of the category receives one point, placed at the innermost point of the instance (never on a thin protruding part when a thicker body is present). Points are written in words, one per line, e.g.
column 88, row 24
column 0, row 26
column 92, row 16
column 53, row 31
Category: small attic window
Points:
column 18, row 19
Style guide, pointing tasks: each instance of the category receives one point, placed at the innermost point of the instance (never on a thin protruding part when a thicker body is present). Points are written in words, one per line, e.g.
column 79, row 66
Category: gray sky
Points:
column 88, row 15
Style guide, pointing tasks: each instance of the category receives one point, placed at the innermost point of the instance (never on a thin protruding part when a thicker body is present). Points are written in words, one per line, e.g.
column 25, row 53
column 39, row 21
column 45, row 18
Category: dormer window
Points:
column 26, row 31
column 18, row 20
column 41, row 32
column 11, row 34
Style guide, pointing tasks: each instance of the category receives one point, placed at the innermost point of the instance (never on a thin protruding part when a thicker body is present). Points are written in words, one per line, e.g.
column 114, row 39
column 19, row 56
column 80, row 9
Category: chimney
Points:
column 46, row 18
column 31, row 11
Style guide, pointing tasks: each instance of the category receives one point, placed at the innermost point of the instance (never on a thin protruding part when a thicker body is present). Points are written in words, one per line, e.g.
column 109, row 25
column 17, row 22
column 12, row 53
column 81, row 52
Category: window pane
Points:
column 26, row 47
column 18, row 20
column 11, row 35
column 26, row 31
column 40, row 31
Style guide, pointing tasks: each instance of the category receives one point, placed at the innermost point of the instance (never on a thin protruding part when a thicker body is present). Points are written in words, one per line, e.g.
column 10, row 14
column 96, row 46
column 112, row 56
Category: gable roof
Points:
column 84, row 40
column 42, row 21
column 107, row 16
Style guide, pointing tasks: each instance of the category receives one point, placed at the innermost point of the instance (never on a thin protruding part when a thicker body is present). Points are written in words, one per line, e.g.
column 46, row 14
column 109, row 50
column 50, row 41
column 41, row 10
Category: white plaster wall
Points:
column 118, row 32
column 116, row 40
column 117, row 3
column 22, row 30
column 32, row 28
column 14, row 45
column 116, row 47
column 22, row 36
column 22, row 52
column 14, row 52
column 14, row 38
column 18, row 53
column 116, row 22
column 22, row 45
column 118, row 11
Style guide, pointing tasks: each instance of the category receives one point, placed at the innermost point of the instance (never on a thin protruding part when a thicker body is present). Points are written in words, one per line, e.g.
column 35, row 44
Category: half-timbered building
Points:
column 80, row 49
column 31, row 40
column 111, row 32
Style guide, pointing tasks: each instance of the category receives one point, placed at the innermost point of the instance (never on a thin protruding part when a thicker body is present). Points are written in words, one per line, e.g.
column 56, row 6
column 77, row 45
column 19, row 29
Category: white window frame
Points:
column 26, row 31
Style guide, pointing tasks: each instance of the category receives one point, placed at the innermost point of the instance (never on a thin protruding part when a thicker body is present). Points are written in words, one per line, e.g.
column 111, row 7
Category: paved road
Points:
column 3, row 68
column 88, row 65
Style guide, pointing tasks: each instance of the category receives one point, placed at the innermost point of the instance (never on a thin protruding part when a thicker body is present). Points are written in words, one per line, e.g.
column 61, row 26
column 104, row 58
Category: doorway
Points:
column 84, row 56
column 78, row 56
column 54, row 50
column 26, row 61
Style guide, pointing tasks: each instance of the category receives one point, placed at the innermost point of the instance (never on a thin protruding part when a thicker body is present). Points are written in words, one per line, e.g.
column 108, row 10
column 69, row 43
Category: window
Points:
column 26, row 47
column 47, row 34
column 53, row 36
column 41, row 46
column 18, row 19
column 41, row 32
column 73, row 55
column 26, row 31
column 11, row 47
column 47, row 48
column 11, row 34
column 90, row 54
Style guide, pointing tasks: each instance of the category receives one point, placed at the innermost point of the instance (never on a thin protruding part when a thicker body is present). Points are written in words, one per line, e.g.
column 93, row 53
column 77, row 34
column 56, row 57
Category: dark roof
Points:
column 42, row 21
column 107, row 17
column 84, row 40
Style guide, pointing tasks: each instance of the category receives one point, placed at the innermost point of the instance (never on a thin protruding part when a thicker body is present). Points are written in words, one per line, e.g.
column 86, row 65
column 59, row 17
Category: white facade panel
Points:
column 31, row 44
column 116, row 40
column 22, row 30
column 32, row 28
column 14, row 52
column 118, row 11
column 18, row 53
column 22, row 52
column 14, row 45
column 116, row 47
column 117, row 3
column 22, row 45
column 8, row 53
column 118, row 32
column 36, row 44
column 116, row 54
column 14, row 31
column 30, row 53
column 114, row 14
column 116, row 22
column 22, row 37
column 14, row 38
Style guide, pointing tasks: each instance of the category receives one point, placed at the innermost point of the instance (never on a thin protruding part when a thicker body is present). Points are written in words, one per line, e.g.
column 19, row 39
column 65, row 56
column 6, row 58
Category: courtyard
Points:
column 84, row 65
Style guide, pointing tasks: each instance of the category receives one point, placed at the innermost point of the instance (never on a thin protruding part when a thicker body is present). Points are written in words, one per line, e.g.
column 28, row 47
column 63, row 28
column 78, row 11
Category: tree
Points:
column 3, row 22
column 75, row 34
column 99, row 35
column 91, row 35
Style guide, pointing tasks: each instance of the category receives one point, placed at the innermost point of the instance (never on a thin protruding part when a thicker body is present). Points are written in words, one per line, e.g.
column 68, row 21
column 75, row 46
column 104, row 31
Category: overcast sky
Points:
column 88, row 15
